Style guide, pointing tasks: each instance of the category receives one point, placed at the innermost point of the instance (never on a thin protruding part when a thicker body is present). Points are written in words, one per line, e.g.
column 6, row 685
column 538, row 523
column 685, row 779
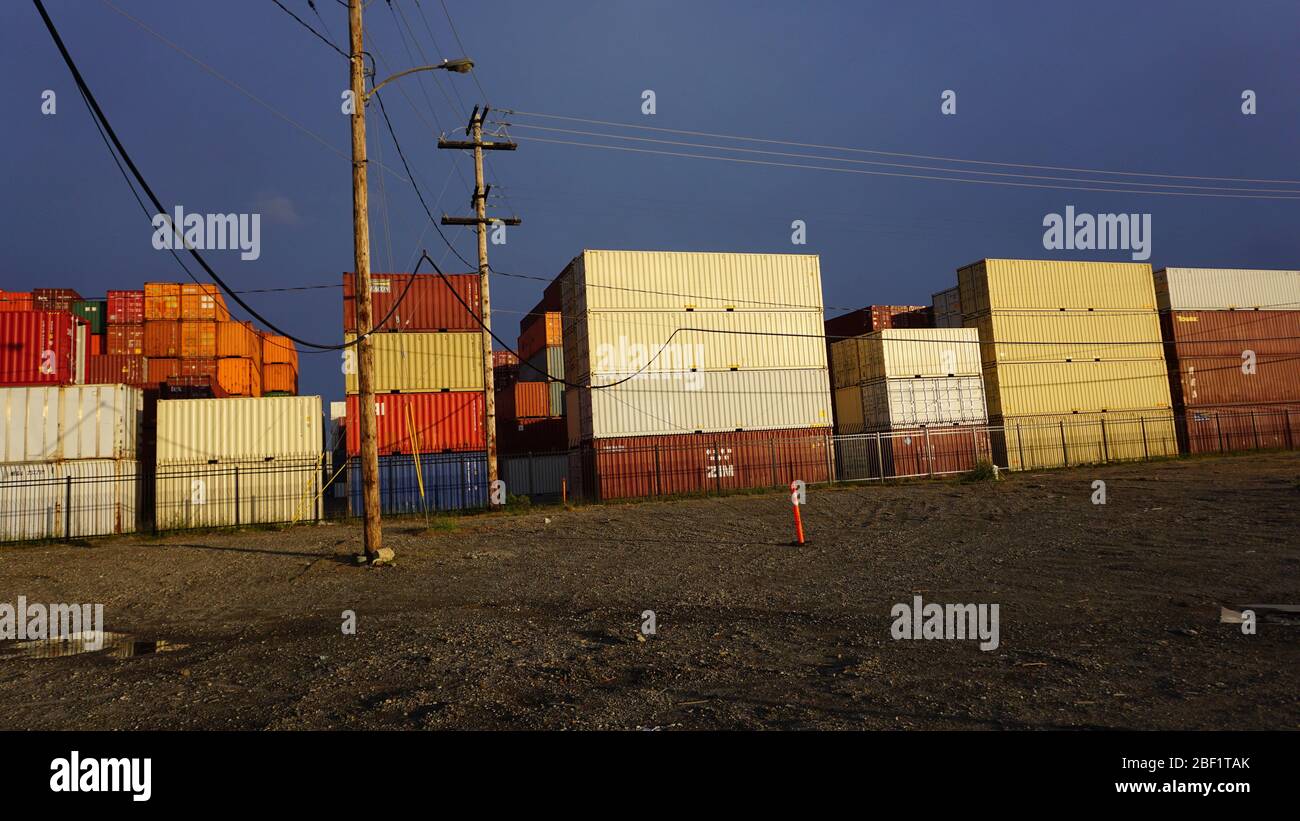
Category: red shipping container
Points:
column 1206, row 351
column 162, row 338
column 126, row 340
column 54, row 299
column 125, row 307
column 943, row 450
column 429, row 305
column 877, row 317
column 115, row 370
column 1227, row 428
column 539, row 331
column 524, row 400
column 39, row 348
column 96, row 346
column 642, row 466
column 502, row 359
column 446, row 421
column 16, row 301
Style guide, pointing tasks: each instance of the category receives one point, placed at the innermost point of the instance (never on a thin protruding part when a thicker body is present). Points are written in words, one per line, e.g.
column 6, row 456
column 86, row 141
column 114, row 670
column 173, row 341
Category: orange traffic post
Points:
column 798, row 519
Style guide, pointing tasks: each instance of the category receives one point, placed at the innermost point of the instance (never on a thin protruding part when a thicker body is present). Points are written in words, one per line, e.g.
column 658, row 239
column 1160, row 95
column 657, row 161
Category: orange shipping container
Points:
column 239, row 376
column 538, row 332
column 279, row 350
column 15, row 301
column 126, row 340
column 96, row 345
column 162, row 338
column 204, row 366
column 162, row 300
column 161, row 369
column 198, row 339
column 203, row 302
column 239, row 339
column 278, row 376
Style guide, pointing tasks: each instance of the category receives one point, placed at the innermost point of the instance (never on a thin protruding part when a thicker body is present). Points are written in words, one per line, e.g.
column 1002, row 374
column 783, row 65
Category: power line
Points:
column 308, row 26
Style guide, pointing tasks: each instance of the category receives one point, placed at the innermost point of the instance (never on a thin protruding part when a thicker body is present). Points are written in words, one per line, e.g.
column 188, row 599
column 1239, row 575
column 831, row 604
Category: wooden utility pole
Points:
column 481, row 221
column 365, row 352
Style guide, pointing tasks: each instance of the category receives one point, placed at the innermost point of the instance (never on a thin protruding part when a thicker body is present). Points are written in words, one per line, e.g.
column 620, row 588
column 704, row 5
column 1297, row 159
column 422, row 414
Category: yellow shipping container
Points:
column 677, row 280
column 1059, row 336
column 420, row 362
column 200, row 494
column 905, row 353
column 228, row 430
column 1057, row 440
column 1003, row 284
column 1076, row 387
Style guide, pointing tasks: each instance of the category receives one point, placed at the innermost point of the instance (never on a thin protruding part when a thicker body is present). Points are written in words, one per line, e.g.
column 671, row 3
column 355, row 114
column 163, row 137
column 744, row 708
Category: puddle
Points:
column 1265, row 613
column 116, row 645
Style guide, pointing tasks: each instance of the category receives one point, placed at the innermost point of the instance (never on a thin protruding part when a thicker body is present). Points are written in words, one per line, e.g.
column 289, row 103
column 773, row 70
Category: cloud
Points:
column 277, row 209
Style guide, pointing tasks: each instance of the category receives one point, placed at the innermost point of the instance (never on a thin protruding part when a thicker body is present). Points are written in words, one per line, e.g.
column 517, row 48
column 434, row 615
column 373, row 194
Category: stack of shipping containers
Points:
column 428, row 349
column 279, row 366
column 699, row 372
column 123, row 359
column 1232, row 340
column 68, row 461
column 945, row 309
column 924, row 388
column 530, row 413
column 1072, row 358
column 238, row 461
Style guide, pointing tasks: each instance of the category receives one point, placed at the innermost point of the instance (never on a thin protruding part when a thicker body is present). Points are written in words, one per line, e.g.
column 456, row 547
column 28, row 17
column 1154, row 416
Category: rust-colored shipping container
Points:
column 160, row 369
column 239, row 376
column 110, row 370
column 428, row 305
column 125, row 340
column 279, row 377
column 524, row 400
column 538, row 331
column 1232, row 357
column 279, row 350
column 16, row 301
column 203, row 302
column 876, row 318
column 198, row 338
column 641, row 466
column 199, row 367
column 54, row 299
column 544, row 435
column 162, row 338
column 162, row 300
column 438, row 422
column 125, row 307
column 501, row 359
column 39, row 348
column 1226, row 428
column 239, row 339
column 935, row 451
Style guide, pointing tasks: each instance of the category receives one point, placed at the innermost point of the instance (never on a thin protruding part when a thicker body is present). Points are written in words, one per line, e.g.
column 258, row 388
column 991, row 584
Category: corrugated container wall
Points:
column 1010, row 284
column 437, row 422
column 75, row 422
column 886, row 404
column 917, row 352
column 946, row 308
column 1233, row 357
column 201, row 430
column 423, row 362
column 125, row 307
column 40, row 347
column 445, row 481
column 34, row 496
column 427, row 305
column 162, row 300
column 1226, row 289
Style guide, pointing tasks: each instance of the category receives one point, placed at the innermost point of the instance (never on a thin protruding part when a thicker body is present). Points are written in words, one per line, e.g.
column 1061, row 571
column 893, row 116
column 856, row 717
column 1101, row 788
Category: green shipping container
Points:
column 94, row 312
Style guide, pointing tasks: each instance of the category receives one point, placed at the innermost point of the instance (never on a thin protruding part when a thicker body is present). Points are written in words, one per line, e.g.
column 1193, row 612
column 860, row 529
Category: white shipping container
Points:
column 672, row 403
column 200, row 494
column 70, row 499
column 906, row 352
column 1225, row 289
column 52, row 423
column 947, row 308
column 905, row 403
column 230, row 430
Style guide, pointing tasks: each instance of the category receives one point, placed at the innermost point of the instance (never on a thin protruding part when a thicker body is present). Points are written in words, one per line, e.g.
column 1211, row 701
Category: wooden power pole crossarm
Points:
column 365, row 354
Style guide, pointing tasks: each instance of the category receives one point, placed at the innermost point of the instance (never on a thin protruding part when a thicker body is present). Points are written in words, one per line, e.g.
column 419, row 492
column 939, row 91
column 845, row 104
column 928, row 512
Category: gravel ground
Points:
column 1109, row 614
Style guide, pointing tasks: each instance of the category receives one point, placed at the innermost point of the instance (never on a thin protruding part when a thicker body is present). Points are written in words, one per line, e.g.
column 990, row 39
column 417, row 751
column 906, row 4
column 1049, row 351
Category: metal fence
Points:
column 83, row 498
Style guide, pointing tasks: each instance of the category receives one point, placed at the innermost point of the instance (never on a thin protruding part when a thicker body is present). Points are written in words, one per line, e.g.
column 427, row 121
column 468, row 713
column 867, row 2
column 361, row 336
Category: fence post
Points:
column 1286, row 418
column 880, row 458
column 659, row 482
column 929, row 454
column 1146, row 452
column 532, row 475
column 830, row 461
column 1105, row 446
column 771, row 458
column 1020, row 445
column 717, row 467
column 1254, row 429
column 1065, row 451
column 67, row 507
column 1218, row 426
column 237, row 496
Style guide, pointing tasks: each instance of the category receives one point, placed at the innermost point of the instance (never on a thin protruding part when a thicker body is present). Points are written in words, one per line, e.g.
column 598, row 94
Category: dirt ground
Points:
column 1109, row 614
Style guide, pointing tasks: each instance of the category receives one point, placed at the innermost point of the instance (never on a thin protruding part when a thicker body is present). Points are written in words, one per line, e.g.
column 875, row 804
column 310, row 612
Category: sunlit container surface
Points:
column 126, row 340
column 1003, row 284
column 1215, row 289
column 1056, row 440
column 125, row 307
column 611, row 342
column 889, row 403
column 198, row 338
column 1227, row 428
column 1083, row 387
column 203, row 302
column 1226, row 357
column 74, row 422
column 114, row 369
column 1058, row 336
column 443, row 481
column 427, row 305
column 162, row 300
column 422, row 362
column 422, row 422
column 524, row 400
column 676, row 280
column 41, row 347
column 279, row 427
column 279, row 378
column 537, row 332
column 238, row 376
column 911, row 352
column 674, row 403
column 34, row 498
column 162, row 338
column 239, row 339
column 199, row 494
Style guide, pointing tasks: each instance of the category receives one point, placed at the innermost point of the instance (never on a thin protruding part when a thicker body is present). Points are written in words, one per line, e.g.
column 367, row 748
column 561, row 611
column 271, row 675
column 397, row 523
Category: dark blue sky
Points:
column 1111, row 85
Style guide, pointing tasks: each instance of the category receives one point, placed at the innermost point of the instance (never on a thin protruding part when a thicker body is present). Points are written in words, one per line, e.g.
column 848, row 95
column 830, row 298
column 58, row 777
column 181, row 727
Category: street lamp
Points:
column 462, row 65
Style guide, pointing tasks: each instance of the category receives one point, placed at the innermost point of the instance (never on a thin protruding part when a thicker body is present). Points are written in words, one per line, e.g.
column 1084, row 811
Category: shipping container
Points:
column 203, row 302
column 1035, row 284
column 655, row 404
column 162, row 301
column 93, row 312
column 936, row 451
column 162, row 338
column 545, row 365
column 279, row 350
column 110, row 369
column 41, row 347
column 877, row 318
column 74, row 422
column 69, row 499
column 1058, row 440
column 918, row 352
column 504, row 359
column 536, row 435
column 239, row 339
column 677, row 281
column 524, row 400
column 198, row 338
column 54, row 299
column 424, row 362
column 428, row 304
column 634, row 467
column 1233, row 357
column 199, row 367
column 1227, row 428
column 161, row 369
column 279, row 378
column 539, row 476
column 239, row 429
column 538, row 331
column 1076, row 387
column 422, row 422
column 1226, row 289
column 16, row 301
column 884, row 404
column 1065, row 336
column 234, row 492
column 125, row 307
column 429, row 482
column 946, row 308
column 239, row 376
column 126, row 340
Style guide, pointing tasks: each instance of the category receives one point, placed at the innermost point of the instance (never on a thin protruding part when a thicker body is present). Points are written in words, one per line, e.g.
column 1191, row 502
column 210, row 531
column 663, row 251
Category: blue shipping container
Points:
column 452, row 481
